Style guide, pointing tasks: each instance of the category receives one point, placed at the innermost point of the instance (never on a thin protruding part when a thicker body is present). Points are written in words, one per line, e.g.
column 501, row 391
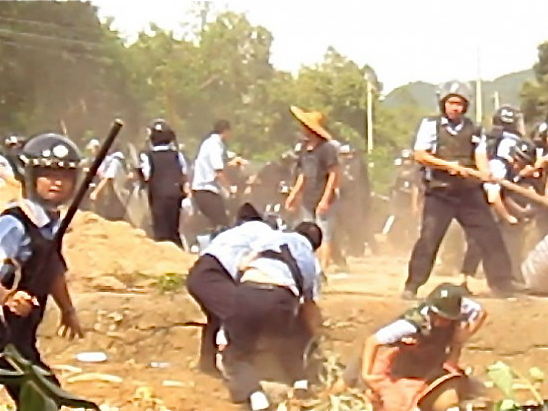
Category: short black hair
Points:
column 312, row 232
column 221, row 126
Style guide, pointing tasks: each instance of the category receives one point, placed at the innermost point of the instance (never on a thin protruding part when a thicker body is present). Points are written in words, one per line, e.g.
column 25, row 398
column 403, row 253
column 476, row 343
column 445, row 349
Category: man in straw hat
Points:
column 317, row 180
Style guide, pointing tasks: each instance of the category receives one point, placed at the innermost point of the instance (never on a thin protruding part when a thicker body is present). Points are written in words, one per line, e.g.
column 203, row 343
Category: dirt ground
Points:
column 118, row 279
column 139, row 327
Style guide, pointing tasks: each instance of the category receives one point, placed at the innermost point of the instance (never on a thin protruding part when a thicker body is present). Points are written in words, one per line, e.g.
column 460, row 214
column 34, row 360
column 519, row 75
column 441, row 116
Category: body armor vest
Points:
column 457, row 147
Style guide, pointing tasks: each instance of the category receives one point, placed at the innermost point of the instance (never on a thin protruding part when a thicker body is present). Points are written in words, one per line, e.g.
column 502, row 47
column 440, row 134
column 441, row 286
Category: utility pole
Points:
column 479, row 102
column 369, row 116
column 496, row 100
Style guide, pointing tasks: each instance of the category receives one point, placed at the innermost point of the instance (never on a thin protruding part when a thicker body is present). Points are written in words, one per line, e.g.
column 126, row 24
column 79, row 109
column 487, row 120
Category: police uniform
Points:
column 513, row 234
column 30, row 245
column 27, row 230
column 448, row 197
column 266, row 304
column 212, row 281
column 163, row 169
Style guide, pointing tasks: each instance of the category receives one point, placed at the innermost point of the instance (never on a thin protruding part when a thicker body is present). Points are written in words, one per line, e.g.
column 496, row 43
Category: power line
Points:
column 74, row 29
column 54, row 38
column 55, row 50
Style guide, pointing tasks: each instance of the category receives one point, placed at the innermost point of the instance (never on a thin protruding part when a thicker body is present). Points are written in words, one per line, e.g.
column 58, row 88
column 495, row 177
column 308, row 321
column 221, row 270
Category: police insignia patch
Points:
column 60, row 151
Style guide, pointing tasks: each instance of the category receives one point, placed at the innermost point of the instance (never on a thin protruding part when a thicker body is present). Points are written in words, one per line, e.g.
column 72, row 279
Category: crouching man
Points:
column 278, row 284
column 212, row 281
column 414, row 361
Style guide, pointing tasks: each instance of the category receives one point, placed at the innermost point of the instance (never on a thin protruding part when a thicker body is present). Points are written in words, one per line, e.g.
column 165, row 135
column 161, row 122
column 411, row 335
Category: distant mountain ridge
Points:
column 423, row 94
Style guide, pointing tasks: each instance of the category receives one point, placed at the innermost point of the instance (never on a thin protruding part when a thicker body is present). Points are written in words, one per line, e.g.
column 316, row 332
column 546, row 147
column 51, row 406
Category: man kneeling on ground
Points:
column 404, row 362
column 275, row 298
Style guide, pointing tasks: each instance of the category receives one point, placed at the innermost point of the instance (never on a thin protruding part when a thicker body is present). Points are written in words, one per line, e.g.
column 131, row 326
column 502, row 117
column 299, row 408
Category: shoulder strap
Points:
column 285, row 257
column 29, row 225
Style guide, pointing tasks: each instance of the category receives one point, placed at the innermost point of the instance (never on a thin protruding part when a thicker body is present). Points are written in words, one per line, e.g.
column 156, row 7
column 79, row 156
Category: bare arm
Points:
column 69, row 325
column 369, row 353
column 297, row 188
column 482, row 163
column 428, row 159
column 312, row 316
column 291, row 200
column 100, row 187
column 495, row 199
column 331, row 185
column 60, row 294
column 462, row 335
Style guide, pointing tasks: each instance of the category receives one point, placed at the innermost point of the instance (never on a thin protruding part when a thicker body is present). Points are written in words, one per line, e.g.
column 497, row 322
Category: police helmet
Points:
column 507, row 115
column 524, row 151
column 48, row 150
column 454, row 88
column 445, row 300
column 14, row 140
column 160, row 133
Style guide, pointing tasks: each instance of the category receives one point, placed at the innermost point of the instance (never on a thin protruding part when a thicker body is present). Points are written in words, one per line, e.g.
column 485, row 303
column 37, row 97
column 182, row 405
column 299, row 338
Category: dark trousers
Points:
column 472, row 258
column 469, row 207
column 21, row 332
column 166, row 212
column 212, row 206
column 261, row 311
column 513, row 236
column 213, row 289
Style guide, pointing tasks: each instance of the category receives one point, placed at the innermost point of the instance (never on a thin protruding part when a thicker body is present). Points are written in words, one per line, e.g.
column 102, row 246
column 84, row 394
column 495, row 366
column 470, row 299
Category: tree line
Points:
column 64, row 69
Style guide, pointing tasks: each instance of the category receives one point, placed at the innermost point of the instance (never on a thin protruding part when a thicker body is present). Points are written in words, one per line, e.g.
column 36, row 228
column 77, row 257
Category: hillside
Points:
column 423, row 94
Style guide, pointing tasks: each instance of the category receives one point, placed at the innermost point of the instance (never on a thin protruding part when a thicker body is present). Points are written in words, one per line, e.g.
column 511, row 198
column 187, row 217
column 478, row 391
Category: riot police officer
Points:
column 164, row 169
column 446, row 144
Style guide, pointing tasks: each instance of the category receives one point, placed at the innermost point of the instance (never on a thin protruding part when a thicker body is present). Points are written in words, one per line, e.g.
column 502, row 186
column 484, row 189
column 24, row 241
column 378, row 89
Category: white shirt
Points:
column 230, row 246
column 301, row 250
column 210, row 159
column 506, row 143
column 111, row 166
column 499, row 170
column 399, row 329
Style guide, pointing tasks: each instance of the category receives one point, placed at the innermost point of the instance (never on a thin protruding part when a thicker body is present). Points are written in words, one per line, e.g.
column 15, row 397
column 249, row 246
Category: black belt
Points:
column 261, row 286
column 267, row 287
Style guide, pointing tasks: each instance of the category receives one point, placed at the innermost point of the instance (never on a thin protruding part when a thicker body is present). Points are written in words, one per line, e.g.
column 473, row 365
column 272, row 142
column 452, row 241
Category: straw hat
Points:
column 313, row 120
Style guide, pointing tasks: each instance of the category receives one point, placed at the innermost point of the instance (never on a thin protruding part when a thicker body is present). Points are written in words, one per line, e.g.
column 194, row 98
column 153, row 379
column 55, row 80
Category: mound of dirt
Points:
column 112, row 255
column 95, row 247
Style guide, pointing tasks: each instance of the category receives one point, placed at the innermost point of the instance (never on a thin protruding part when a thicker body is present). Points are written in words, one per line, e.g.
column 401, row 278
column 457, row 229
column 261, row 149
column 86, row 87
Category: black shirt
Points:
column 315, row 165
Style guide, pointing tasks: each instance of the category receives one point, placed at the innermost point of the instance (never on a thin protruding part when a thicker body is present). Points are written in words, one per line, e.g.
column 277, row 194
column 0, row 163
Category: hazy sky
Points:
column 403, row 40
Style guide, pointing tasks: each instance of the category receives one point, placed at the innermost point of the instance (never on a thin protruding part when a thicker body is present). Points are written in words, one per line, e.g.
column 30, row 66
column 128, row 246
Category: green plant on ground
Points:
column 37, row 391
column 507, row 380
column 170, row 282
column 350, row 400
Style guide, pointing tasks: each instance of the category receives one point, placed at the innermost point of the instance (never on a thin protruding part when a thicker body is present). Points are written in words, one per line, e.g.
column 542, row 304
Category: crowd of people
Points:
column 265, row 241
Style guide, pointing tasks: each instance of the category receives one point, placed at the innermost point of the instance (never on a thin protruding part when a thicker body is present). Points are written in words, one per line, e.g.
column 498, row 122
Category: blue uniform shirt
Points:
column 15, row 242
column 230, row 246
column 302, row 252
